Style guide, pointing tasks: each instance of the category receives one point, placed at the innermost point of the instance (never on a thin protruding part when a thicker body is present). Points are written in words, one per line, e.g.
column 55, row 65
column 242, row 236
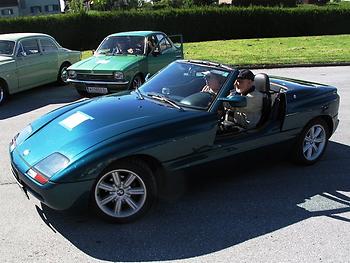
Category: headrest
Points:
column 262, row 82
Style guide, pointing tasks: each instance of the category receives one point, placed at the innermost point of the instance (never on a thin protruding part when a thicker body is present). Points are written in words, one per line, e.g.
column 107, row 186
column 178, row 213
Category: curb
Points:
column 270, row 66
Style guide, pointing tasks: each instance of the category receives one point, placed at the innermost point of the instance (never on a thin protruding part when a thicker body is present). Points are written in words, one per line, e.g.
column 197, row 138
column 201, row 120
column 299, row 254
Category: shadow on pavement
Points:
column 36, row 98
column 218, row 209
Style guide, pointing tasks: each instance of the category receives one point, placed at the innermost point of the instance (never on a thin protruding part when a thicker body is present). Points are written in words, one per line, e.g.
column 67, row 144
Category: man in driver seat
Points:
column 249, row 116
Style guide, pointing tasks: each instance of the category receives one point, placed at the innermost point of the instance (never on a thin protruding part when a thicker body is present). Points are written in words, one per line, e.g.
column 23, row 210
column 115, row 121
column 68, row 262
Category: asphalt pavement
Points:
column 273, row 211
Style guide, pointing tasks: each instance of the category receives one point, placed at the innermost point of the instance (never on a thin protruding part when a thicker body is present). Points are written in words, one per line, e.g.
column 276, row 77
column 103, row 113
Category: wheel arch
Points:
column 3, row 81
column 65, row 62
column 6, row 87
column 327, row 119
column 140, row 73
column 154, row 164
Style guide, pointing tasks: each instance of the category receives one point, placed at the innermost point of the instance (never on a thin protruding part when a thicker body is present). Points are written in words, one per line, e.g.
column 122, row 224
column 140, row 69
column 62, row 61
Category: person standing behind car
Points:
column 249, row 116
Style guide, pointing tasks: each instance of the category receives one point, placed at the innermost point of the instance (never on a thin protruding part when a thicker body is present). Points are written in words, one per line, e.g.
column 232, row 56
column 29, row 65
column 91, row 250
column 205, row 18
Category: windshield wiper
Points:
column 165, row 99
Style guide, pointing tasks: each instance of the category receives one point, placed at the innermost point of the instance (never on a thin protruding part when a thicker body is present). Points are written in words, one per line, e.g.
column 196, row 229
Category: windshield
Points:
column 122, row 45
column 186, row 84
column 7, row 47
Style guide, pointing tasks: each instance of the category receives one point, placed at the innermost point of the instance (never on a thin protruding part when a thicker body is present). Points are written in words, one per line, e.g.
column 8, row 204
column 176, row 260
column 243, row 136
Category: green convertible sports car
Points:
column 114, row 151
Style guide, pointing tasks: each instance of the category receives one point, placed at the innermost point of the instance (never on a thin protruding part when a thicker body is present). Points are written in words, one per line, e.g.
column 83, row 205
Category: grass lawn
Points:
column 270, row 51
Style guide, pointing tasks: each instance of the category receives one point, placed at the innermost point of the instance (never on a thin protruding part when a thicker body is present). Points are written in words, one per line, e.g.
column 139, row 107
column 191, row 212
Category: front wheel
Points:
column 125, row 192
column 312, row 142
column 3, row 93
column 136, row 82
column 63, row 75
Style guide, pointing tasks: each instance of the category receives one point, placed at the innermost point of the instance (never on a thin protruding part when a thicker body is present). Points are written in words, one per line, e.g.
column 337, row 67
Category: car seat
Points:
column 262, row 84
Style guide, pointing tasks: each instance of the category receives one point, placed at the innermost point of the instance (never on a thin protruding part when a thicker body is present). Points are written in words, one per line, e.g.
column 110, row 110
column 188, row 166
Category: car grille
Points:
column 84, row 76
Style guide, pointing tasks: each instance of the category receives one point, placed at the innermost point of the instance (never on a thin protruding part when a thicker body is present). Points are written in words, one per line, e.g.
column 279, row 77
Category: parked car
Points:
column 123, row 60
column 28, row 60
column 114, row 151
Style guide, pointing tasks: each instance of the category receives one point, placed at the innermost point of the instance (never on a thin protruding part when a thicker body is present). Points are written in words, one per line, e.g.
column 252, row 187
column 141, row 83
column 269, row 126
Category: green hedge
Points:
column 289, row 3
column 85, row 31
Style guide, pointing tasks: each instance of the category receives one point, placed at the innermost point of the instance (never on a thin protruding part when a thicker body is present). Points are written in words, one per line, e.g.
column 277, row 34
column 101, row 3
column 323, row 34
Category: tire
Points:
column 125, row 192
column 62, row 74
column 312, row 142
column 3, row 93
column 136, row 82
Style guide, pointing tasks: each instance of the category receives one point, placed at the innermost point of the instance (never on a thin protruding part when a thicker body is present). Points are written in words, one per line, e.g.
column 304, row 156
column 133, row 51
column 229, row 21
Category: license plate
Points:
column 97, row 90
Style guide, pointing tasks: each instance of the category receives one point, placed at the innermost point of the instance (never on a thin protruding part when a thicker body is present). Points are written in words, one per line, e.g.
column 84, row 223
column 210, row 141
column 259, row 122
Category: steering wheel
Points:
column 199, row 99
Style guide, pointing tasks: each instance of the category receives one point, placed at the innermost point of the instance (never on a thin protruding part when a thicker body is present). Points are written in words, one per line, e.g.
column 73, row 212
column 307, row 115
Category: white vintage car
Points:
column 28, row 60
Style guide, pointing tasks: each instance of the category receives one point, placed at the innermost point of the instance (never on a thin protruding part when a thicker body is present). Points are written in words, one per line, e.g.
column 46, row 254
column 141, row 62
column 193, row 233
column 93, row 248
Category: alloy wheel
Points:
column 120, row 193
column 314, row 142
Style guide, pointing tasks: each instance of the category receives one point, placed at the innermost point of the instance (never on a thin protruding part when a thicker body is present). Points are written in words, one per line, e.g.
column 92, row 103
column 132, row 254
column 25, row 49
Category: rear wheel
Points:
column 124, row 192
column 3, row 93
column 312, row 142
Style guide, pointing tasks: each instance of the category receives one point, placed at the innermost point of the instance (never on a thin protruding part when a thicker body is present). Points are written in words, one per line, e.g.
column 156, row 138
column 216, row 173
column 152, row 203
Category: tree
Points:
column 76, row 6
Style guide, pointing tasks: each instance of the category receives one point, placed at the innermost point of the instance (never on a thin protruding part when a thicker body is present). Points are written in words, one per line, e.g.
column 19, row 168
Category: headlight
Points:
column 47, row 167
column 118, row 75
column 72, row 74
column 20, row 137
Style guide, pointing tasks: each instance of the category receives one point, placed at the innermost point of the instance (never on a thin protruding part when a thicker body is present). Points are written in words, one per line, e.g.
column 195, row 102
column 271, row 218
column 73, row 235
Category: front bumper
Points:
column 335, row 123
column 84, row 85
column 59, row 196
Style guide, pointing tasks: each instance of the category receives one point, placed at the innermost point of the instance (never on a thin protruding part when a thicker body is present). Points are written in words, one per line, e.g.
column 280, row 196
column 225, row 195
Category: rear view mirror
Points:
column 235, row 101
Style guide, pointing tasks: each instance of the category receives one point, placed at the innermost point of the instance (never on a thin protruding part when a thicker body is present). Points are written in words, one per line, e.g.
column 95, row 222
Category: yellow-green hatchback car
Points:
column 29, row 60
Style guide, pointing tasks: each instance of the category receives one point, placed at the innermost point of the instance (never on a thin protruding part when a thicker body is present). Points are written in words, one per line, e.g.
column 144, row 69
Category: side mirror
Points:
column 147, row 77
column 93, row 52
column 235, row 101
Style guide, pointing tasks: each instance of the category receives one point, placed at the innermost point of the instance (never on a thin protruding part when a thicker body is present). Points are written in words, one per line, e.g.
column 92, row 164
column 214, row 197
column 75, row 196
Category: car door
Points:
column 231, row 143
column 49, row 50
column 30, row 64
column 164, row 53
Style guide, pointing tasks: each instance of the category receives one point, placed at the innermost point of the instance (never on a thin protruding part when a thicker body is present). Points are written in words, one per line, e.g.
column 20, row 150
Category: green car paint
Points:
column 28, row 60
column 123, row 60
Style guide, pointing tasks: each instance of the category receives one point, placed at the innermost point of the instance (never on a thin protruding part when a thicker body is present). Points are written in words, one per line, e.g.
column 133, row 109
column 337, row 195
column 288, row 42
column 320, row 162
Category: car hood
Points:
column 106, row 63
column 88, row 124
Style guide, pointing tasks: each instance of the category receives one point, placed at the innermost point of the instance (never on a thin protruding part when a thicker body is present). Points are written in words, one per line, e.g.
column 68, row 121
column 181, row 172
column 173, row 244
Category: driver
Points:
column 249, row 116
